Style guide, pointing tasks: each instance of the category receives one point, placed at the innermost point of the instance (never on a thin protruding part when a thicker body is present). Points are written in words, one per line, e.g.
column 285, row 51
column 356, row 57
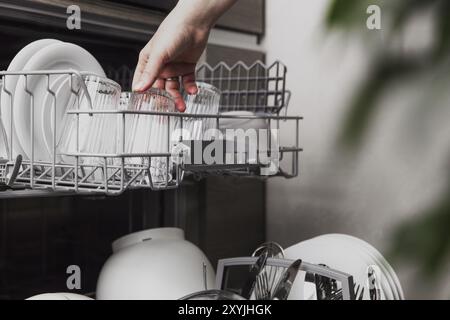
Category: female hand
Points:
column 173, row 52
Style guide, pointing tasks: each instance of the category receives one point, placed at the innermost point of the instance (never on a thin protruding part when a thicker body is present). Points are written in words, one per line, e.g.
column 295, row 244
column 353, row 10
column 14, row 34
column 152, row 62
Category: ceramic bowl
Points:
column 156, row 264
column 59, row 296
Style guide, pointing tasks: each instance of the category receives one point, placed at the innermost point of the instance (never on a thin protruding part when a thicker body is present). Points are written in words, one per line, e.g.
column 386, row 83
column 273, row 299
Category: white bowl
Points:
column 59, row 296
column 156, row 264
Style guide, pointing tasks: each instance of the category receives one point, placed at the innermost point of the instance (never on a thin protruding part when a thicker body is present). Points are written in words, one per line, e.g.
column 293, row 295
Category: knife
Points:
column 284, row 286
column 254, row 273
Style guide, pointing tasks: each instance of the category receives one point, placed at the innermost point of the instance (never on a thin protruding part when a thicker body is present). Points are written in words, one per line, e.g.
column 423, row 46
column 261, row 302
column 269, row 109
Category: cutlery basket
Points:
column 230, row 271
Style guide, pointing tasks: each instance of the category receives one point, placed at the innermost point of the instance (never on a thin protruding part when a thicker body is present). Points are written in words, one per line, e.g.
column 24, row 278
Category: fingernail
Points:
column 139, row 86
column 181, row 107
column 193, row 90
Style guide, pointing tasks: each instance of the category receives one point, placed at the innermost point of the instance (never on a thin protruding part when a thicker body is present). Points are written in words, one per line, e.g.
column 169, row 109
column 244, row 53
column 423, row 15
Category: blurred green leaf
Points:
column 364, row 105
column 443, row 30
column 425, row 241
column 341, row 12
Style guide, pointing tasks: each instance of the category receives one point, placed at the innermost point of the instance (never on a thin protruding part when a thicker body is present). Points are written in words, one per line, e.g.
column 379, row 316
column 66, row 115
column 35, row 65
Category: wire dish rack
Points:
column 257, row 89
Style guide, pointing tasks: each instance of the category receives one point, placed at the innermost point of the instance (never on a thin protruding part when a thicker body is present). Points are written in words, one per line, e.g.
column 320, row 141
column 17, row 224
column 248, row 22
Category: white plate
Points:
column 3, row 141
column 389, row 269
column 384, row 265
column 64, row 98
column 386, row 282
column 17, row 64
column 58, row 56
column 3, row 136
column 337, row 255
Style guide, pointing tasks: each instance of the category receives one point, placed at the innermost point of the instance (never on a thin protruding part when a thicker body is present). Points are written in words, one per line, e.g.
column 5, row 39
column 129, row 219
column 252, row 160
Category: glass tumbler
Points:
column 207, row 102
column 151, row 133
column 124, row 123
column 94, row 131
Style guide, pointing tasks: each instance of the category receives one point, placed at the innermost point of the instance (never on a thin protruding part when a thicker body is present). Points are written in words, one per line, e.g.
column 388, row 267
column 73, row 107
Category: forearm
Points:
column 202, row 13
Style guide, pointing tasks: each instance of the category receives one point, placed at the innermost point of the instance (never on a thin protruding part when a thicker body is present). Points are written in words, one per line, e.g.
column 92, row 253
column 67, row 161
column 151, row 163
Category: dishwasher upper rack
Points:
column 112, row 173
column 257, row 87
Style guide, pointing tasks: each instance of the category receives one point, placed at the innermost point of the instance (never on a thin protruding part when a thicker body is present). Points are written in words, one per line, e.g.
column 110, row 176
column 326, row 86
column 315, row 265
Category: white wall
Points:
column 401, row 168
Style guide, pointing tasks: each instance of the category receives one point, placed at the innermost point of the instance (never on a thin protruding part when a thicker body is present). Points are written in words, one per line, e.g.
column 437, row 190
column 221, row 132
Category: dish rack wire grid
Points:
column 257, row 88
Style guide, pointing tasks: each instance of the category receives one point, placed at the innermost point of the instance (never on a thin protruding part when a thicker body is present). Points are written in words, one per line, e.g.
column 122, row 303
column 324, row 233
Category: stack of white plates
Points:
column 350, row 255
column 46, row 54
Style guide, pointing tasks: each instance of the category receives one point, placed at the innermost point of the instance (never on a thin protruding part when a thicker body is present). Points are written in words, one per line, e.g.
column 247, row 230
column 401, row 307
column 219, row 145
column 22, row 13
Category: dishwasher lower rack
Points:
column 113, row 173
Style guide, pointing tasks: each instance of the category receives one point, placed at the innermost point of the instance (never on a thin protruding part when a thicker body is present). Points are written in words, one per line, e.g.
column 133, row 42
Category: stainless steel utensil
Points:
column 262, row 290
column 274, row 250
column 374, row 286
column 359, row 293
column 271, row 274
column 255, row 271
column 284, row 286
column 325, row 287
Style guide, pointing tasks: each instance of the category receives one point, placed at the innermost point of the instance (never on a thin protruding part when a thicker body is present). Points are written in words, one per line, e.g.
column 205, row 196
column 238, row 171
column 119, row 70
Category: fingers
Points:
column 177, row 69
column 160, row 84
column 173, row 87
column 142, row 62
column 147, row 75
column 150, row 68
column 151, row 72
column 189, row 83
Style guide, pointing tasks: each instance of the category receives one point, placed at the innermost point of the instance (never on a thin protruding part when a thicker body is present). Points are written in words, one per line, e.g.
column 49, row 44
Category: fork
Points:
column 262, row 291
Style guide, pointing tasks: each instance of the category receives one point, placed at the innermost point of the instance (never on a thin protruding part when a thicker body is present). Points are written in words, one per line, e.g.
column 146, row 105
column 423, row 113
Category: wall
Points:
column 401, row 168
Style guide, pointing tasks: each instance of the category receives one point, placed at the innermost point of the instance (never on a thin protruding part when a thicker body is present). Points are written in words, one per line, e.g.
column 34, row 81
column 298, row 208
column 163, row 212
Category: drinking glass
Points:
column 97, row 133
column 151, row 133
column 207, row 102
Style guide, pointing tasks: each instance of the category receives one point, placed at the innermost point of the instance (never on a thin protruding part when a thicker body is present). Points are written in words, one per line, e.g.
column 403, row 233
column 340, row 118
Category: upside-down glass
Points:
column 207, row 102
column 97, row 133
column 151, row 133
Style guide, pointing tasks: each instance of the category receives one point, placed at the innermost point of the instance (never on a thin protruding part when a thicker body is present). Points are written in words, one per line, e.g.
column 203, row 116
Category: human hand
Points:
column 170, row 56
column 173, row 52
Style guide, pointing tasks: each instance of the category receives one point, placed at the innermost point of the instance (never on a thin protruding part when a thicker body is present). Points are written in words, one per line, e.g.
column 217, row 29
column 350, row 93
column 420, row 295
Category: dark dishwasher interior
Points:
column 42, row 234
